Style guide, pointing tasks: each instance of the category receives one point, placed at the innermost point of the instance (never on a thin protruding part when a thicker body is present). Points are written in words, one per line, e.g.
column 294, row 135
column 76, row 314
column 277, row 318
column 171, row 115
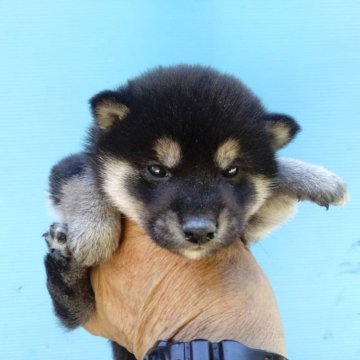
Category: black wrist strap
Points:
column 205, row 350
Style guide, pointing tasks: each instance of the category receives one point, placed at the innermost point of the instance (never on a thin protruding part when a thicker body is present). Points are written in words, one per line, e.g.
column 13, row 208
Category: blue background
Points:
column 300, row 57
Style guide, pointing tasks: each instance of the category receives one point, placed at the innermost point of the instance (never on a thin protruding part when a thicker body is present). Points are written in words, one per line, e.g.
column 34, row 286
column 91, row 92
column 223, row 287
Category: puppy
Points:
column 188, row 154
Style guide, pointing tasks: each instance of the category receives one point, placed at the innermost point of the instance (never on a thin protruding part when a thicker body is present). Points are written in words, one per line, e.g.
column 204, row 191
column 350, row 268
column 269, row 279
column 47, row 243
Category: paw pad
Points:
column 56, row 240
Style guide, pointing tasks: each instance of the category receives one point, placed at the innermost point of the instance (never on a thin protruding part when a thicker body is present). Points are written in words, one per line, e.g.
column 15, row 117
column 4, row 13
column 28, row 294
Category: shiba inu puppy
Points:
column 187, row 153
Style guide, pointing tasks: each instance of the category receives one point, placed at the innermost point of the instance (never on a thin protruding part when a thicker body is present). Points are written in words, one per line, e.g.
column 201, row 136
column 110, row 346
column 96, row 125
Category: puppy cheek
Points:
column 232, row 223
column 165, row 231
column 262, row 189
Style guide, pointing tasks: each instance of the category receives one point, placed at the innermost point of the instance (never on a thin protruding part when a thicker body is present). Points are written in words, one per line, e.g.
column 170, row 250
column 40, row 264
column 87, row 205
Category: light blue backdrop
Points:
column 300, row 57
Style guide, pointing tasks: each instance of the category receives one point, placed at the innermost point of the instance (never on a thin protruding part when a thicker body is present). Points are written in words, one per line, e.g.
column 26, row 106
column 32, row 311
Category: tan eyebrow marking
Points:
column 226, row 153
column 168, row 152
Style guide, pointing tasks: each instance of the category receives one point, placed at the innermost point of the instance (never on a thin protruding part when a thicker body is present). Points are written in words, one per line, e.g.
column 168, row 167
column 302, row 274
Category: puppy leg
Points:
column 93, row 225
column 310, row 182
column 68, row 281
column 296, row 180
column 69, row 285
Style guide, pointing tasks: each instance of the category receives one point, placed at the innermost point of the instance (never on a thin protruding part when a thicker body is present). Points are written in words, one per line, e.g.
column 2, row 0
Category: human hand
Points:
column 145, row 293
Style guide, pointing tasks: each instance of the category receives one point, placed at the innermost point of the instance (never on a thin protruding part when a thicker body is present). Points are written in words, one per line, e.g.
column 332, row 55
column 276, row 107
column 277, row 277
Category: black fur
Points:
column 192, row 104
column 120, row 353
column 70, row 289
column 200, row 109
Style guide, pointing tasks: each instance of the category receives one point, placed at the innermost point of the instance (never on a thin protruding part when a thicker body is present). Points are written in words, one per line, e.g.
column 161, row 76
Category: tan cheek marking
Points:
column 168, row 152
column 226, row 153
column 263, row 189
column 115, row 177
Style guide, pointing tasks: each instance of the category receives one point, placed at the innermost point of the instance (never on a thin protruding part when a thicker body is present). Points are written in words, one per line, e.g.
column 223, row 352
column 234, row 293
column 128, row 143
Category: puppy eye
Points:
column 230, row 172
column 157, row 171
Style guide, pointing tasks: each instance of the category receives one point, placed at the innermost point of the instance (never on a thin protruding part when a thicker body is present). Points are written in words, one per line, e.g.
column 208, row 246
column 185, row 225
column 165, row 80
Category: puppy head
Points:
column 188, row 153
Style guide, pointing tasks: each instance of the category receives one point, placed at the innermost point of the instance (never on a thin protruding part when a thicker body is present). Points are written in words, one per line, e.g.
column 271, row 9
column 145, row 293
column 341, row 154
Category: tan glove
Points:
column 145, row 294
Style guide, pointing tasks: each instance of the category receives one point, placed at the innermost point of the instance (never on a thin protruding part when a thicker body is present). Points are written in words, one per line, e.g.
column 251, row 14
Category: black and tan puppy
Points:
column 187, row 153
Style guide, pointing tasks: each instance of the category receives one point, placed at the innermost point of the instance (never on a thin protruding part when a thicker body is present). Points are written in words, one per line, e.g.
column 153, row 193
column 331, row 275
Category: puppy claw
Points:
column 334, row 193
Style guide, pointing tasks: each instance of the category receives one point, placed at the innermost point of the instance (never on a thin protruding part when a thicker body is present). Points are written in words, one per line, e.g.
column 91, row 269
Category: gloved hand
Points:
column 145, row 293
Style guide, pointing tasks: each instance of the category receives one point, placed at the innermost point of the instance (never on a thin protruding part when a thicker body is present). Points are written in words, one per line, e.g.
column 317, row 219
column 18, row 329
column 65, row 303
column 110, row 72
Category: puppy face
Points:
column 188, row 153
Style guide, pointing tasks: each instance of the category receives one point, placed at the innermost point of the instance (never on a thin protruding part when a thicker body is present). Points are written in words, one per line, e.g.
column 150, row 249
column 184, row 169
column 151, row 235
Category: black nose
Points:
column 199, row 230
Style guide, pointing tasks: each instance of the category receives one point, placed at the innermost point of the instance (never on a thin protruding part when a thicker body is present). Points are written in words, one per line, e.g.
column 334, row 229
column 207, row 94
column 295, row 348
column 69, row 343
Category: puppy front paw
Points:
column 56, row 241
column 306, row 181
column 324, row 188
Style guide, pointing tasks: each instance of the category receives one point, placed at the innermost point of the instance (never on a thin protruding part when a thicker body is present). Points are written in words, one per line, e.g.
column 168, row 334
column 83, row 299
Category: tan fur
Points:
column 108, row 112
column 263, row 187
column 281, row 135
column 173, row 298
column 275, row 211
column 115, row 176
column 226, row 153
column 168, row 152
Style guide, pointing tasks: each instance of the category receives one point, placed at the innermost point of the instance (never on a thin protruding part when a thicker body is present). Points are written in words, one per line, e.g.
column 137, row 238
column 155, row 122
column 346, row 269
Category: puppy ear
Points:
column 282, row 129
column 108, row 108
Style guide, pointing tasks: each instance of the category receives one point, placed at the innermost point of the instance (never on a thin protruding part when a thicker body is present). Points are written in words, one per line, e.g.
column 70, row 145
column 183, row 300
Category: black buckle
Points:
column 205, row 350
